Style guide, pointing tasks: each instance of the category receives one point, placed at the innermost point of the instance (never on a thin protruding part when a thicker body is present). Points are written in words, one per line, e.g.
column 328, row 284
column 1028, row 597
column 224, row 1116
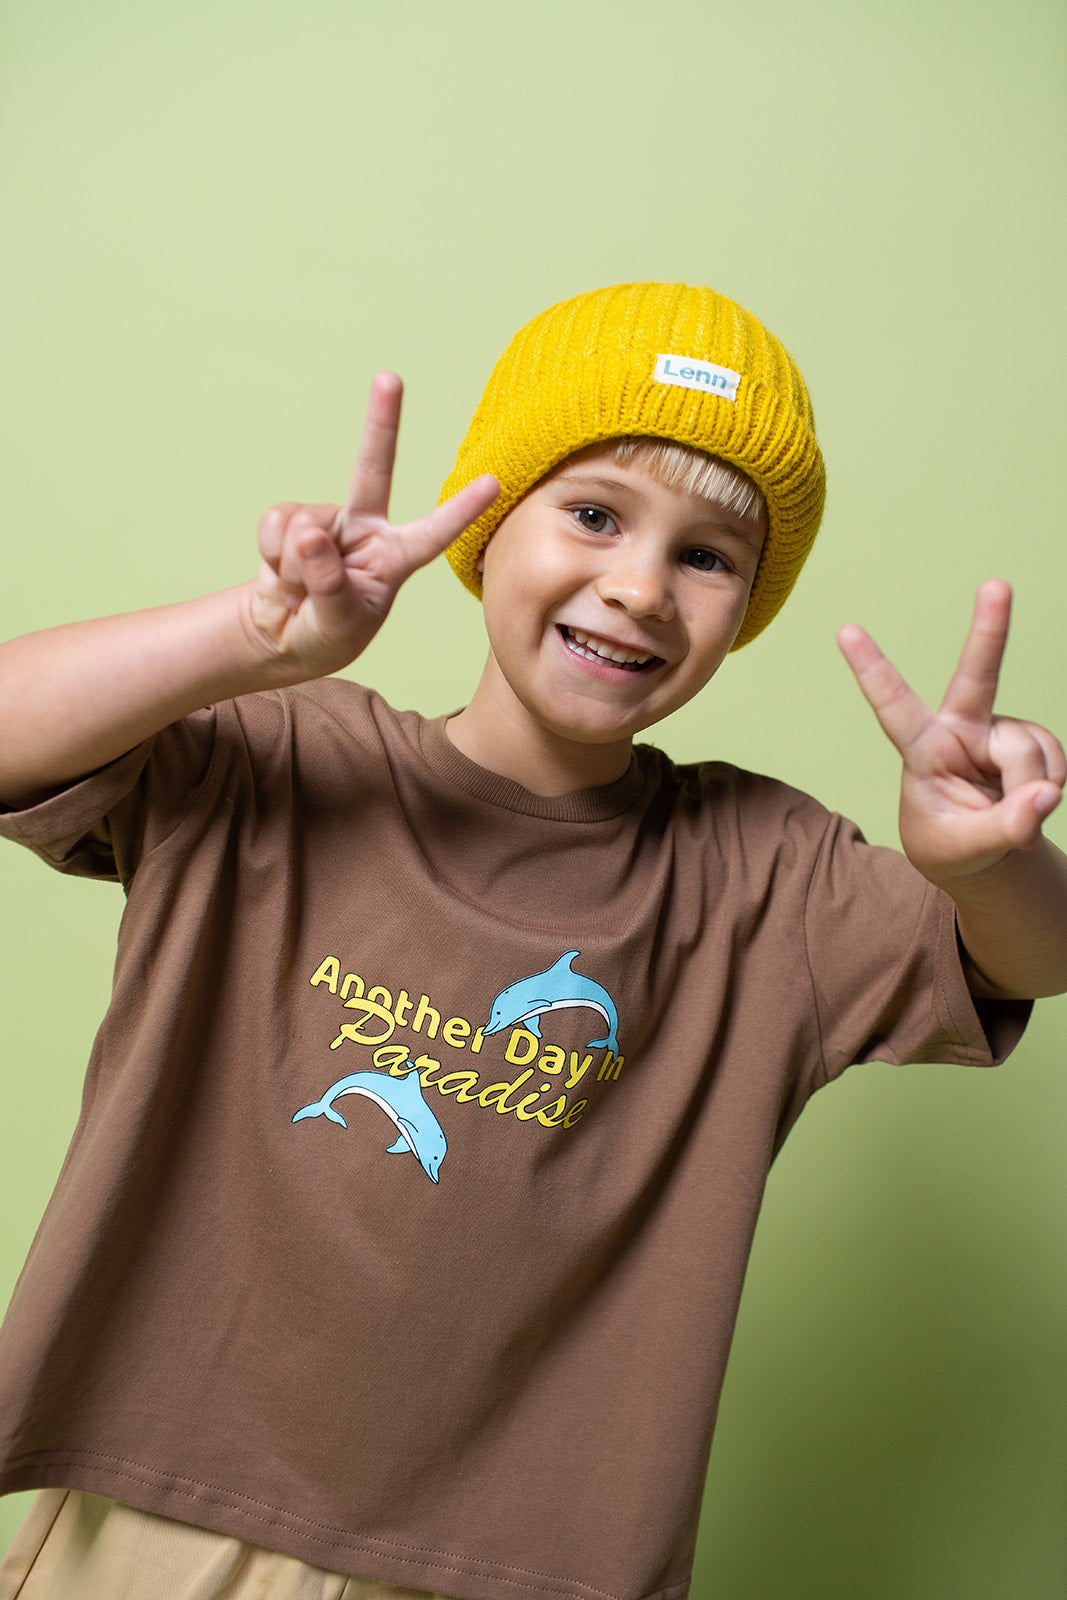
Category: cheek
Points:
column 520, row 575
column 714, row 635
column 499, row 556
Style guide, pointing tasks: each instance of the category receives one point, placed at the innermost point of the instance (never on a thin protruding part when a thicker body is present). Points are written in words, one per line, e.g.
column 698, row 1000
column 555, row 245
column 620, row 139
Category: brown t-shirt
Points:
column 404, row 1224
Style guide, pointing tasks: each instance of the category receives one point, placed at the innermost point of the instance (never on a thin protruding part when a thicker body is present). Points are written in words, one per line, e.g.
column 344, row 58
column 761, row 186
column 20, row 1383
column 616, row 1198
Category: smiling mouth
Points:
column 612, row 655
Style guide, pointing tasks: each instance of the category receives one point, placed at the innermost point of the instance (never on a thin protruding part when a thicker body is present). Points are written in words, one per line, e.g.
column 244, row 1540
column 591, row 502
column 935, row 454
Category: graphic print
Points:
column 554, row 1084
column 402, row 1101
column 555, row 989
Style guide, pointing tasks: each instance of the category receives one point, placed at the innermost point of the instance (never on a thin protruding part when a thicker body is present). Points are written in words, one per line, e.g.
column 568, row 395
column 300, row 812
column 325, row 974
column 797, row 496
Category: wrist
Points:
column 1012, row 920
column 285, row 644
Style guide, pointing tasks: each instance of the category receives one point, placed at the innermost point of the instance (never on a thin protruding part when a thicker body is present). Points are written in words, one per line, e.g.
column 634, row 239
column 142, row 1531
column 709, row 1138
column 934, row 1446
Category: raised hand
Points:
column 975, row 785
column 330, row 573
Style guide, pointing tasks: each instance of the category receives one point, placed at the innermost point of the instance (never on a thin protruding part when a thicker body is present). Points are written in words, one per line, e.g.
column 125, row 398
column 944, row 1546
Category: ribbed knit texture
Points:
column 584, row 371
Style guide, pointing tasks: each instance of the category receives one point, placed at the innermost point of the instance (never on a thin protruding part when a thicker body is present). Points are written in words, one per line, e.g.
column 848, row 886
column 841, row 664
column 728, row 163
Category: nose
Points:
column 637, row 580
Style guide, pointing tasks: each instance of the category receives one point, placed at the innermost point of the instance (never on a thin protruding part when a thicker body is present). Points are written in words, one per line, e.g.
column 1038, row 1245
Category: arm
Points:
column 75, row 697
column 975, row 791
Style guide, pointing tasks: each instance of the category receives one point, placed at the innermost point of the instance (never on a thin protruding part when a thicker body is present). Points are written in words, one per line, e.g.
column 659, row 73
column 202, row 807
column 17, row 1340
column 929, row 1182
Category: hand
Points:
column 975, row 786
column 330, row 573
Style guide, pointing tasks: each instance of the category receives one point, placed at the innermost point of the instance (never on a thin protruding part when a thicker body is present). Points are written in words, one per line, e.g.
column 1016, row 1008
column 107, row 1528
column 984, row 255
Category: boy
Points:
column 403, row 1230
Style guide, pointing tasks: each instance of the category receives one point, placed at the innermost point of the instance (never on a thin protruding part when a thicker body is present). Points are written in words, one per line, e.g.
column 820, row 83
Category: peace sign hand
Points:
column 329, row 574
column 975, row 785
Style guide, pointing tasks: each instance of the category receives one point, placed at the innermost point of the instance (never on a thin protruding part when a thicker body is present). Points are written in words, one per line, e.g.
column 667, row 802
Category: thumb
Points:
column 336, row 608
column 1022, row 813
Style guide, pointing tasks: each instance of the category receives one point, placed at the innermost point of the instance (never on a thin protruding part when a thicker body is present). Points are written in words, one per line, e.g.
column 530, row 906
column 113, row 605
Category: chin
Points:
column 589, row 731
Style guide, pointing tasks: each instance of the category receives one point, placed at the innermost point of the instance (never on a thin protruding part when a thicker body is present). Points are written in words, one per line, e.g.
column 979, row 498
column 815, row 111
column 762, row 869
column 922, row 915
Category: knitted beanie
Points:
column 665, row 361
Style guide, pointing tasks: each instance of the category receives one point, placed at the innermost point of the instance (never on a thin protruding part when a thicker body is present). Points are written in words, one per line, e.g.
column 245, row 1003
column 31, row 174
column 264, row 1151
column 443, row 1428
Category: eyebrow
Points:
column 735, row 523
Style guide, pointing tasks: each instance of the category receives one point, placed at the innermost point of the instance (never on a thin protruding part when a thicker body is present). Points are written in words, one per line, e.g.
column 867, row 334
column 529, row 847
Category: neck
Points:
column 498, row 733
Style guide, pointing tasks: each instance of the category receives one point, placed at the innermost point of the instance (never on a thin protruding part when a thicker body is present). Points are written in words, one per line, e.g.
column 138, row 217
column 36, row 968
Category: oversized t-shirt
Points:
column 421, row 1148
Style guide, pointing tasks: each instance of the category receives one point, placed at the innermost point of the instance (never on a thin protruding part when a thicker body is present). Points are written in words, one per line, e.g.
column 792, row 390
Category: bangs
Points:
column 676, row 466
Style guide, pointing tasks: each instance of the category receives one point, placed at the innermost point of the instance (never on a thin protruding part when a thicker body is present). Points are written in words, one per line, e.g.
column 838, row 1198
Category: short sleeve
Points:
column 102, row 826
column 885, row 965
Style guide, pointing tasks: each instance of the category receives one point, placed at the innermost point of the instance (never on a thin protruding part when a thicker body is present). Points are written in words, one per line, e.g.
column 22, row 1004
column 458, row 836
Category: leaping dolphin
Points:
column 555, row 989
column 402, row 1101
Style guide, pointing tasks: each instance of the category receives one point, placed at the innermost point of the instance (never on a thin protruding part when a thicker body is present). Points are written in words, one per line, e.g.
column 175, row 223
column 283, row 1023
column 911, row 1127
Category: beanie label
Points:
column 689, row 372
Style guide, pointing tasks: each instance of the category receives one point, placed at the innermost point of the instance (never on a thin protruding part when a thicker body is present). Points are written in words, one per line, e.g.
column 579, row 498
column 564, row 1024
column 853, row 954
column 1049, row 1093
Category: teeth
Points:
column 607, row 652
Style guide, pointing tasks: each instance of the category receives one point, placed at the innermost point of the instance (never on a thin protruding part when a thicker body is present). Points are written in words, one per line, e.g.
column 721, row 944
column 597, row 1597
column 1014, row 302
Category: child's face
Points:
column 610, row 599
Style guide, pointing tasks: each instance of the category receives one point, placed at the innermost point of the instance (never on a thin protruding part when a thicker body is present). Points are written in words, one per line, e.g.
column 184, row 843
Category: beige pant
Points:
column 76, row 1546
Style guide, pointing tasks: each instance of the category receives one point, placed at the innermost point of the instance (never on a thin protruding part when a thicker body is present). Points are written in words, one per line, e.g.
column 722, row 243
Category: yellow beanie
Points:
column 662, row 360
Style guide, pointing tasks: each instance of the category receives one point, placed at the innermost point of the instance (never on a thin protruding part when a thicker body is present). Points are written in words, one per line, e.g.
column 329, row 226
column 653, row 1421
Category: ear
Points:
column 480, row 563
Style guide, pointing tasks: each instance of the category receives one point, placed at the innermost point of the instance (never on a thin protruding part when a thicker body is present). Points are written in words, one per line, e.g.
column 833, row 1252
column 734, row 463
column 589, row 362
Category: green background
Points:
column 220, row 218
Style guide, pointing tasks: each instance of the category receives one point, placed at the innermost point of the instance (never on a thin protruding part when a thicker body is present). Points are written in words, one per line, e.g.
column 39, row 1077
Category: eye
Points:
column 593, row 519
column 703, row 560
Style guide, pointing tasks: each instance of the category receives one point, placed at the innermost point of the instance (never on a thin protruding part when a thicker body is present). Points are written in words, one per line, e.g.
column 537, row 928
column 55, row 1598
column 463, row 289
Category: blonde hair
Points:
column 678, row 466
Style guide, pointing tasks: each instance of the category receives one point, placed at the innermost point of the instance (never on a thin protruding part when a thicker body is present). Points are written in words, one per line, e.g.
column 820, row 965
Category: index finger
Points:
column 901, row 712
column 372, row 478
column 972, row 688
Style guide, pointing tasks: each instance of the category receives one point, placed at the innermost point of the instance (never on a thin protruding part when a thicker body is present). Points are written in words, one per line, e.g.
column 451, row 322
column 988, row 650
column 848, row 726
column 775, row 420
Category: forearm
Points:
column 75, row 697
column 1012, row 919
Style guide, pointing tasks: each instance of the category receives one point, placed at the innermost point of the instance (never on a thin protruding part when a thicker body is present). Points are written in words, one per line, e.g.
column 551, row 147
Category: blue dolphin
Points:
column 555, row 989
column 402, row 1101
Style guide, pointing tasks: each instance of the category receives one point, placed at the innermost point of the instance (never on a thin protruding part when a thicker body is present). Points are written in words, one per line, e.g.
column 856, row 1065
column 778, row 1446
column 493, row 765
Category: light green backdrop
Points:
column 219, row 218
